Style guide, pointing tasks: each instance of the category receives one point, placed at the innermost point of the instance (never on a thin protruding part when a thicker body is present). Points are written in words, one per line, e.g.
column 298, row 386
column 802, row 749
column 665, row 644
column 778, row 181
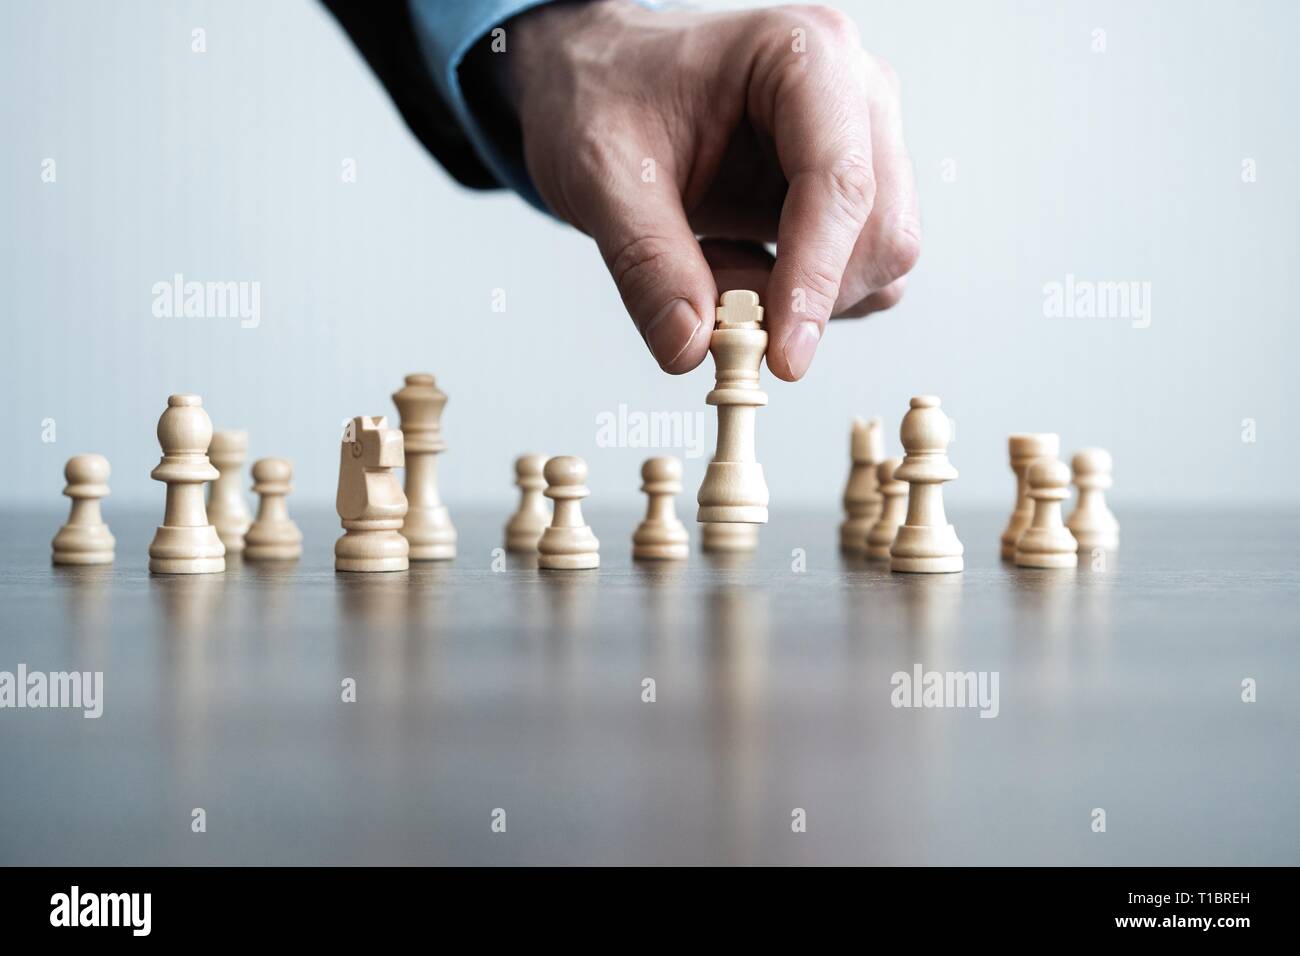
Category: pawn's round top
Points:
column 1034, row 445
column 272, row 470
column 1048, row 473
column 225, row 442
column 420, row 378
column 1089, row 461
column 885, row 474
column 662, row 468
column 565, row 470
column 529, row 466
column 87, row 476
column 185, row 428
column 925, row 427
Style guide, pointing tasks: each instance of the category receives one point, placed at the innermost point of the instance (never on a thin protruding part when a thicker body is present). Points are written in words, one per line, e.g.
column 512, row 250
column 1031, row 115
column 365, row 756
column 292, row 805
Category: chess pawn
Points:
column 85, row 539
column 862, row 498
column 728, row 538
column 892, row 512
column 530, row 520
column 661, row 534
column 734, row 489
column 273, row 536
column 925, row 542
column 185, row 543
column 370, row 500
column 1024, row 450
column 567, row 544
column 1092, row 523
column 227, row 509
column 1047, row 543
column 427, row 526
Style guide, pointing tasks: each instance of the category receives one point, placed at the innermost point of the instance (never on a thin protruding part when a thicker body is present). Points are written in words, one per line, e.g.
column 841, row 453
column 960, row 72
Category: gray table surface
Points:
column 522, row 690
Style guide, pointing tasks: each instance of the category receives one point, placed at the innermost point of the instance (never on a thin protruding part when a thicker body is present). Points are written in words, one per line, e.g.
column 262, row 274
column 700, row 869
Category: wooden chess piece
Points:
column 370, row 500
column 862, row 498
column 1092, row 523
column 892, row 513
column 273, row 536
column 526, row 525
column 227, row 509
column 427, row 526
column 1025, row 450
column 568, row 543
column 925, row 542
column 734, row 489
column 185, row 543
column 661, row 534
column 85, row 539
column 1047, row 542
column 721, row 537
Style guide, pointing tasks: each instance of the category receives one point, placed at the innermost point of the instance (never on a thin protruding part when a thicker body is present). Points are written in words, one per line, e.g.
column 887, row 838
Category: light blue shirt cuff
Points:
column 446, row 29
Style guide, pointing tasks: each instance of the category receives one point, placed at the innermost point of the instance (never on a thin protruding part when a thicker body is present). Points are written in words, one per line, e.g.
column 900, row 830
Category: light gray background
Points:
column 226, row 165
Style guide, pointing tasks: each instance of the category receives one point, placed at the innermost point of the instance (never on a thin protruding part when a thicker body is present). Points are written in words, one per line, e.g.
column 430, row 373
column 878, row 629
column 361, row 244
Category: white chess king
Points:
column 734, row 489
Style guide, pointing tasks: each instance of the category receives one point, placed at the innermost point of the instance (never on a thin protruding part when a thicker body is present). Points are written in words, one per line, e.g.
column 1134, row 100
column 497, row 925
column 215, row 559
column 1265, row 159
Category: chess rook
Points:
column 720, row 537
column 567, row 544
column 1092, row 523
column 661, row 535
column 185, row 543
column 227, row 509
column 85, row 539
column 273, row 536
column 925, row 542
column 370, row 500
column 1047, row 543
column 862, row 498
column 734, row 489
column 427, row 526
column 1025, row 450
column 526, row 525
column 892, row 512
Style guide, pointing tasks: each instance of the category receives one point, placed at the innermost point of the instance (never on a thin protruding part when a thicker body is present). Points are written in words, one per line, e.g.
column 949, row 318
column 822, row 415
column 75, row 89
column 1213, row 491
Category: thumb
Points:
column 656, row 262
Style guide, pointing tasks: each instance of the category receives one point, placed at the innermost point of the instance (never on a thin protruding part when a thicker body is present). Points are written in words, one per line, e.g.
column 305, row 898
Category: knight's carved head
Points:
column 372, row 444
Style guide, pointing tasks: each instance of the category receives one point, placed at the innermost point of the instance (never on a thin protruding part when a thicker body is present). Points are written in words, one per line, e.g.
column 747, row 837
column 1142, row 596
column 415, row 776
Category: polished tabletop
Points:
column 500, row 712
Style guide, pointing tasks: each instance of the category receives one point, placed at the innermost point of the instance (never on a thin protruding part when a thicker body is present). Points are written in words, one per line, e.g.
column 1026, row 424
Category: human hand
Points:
column 645, row 129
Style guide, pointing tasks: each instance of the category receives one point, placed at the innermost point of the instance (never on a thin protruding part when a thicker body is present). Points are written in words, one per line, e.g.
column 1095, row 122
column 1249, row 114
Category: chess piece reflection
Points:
column 227, row 509
column 1025, row 449
column 370, row 500
column 862, row 498
column 1047, row 543
column 427, row 525
column 734, row 488
column 273, row 536
column 527, row 523
column 1092, row 523
column 661, row 535
column 85, row 539
column 185, row 543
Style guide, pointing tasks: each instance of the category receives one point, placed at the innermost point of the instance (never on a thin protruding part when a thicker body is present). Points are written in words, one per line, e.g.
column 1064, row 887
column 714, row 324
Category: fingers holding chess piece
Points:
column 1025, row 449
column 526, row 525
column 427, row 525
column 567, row 544
column 370, row 501
column 862, row 498
column 734, row 489
column 185, row 543
column 273, row 536
column 85, row 539
column 1092, row 523
column 925, row 543
column 227, row 509
column 1047, row 543
column 892, row 512
column 661, row 535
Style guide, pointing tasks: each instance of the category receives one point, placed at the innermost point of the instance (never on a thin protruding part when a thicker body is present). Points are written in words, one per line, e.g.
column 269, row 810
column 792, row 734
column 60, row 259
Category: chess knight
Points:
column 370, row 499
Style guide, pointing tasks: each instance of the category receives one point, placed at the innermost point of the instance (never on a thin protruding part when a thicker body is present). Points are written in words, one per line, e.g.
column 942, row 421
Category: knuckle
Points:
column 901, row 248
column 636, row 264
column 820, row 285
column 833, row 22
column 853, row 186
